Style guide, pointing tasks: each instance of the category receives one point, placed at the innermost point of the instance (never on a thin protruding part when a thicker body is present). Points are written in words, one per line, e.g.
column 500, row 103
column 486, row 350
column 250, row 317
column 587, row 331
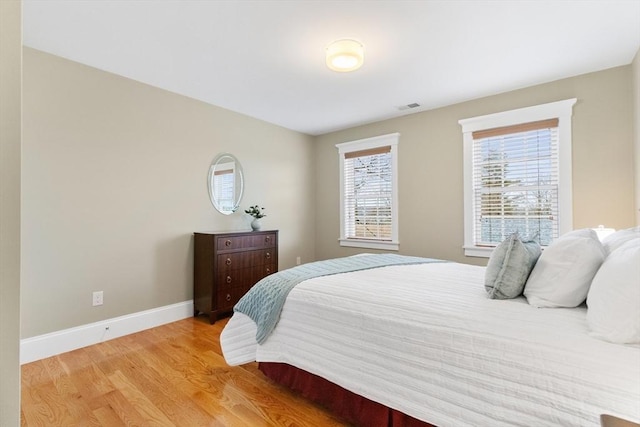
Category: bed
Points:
column 424, row 341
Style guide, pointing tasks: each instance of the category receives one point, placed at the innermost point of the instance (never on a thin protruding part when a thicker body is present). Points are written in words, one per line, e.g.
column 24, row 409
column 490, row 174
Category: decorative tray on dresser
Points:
column 227, row 265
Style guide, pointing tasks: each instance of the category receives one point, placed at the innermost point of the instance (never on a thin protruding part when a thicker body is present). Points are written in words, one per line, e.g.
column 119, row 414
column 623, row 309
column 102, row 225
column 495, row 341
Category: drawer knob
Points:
column 228, row 261
column 228, row 297
column 268, row 270
column 268, row 255
column 267, row 239
column 227, row 242
column 229, row 279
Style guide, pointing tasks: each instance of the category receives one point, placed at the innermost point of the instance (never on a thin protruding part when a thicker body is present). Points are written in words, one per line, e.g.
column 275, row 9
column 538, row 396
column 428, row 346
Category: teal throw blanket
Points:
column 264, row 302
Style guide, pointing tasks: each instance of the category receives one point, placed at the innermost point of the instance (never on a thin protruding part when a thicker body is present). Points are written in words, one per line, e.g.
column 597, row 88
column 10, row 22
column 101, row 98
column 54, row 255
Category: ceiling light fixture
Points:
column 345, row 55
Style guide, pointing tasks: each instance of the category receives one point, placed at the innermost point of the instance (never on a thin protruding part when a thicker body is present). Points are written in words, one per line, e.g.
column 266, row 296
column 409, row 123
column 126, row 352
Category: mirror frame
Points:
column 219, row 164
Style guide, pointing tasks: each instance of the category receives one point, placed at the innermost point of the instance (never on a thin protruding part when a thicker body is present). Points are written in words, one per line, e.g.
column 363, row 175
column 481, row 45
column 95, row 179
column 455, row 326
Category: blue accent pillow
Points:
column 509, row 267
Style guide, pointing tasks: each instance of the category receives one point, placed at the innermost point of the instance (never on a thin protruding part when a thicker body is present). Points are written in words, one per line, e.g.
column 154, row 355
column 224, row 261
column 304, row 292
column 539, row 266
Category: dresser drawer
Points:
column 232, row 261
column 261, row 271
column 236, row 260
column 269, row 240
column 245, row 277
column 228, row 297
column 247, row 241
column 232, row 278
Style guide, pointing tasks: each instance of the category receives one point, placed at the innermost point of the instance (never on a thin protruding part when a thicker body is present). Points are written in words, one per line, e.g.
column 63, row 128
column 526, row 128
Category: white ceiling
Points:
column 265, row 58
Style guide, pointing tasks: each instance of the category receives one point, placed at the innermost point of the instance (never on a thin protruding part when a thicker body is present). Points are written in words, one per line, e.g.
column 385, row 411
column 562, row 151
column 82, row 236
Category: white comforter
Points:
column 425, row 340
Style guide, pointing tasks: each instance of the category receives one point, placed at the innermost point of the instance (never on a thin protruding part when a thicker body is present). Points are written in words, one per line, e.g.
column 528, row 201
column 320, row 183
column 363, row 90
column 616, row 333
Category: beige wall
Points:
column 114, row 185
column 10, row 110
column 114, row 182
column 635, row 66
column 430, row 164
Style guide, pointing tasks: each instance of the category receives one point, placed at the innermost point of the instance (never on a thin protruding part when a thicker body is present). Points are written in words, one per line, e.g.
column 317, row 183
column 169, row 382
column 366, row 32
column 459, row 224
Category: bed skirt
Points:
column 345, row 404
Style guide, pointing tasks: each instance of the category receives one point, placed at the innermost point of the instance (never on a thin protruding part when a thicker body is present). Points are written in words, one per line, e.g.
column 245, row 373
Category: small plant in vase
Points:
column 256, row 212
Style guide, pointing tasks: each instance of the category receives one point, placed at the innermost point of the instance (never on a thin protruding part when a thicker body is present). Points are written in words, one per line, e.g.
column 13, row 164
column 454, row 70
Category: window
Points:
column 224, row 186
column 517, row 175
column 369, row 193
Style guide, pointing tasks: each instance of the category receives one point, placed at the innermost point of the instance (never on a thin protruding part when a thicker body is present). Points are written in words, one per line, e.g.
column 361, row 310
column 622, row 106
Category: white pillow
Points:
column 614, row 298
column 563, row 273
column 619, row 238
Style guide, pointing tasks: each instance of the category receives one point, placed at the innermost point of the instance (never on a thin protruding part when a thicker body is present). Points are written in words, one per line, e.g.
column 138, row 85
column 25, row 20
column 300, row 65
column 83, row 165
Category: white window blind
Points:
column 367, row 194
column 515, row 182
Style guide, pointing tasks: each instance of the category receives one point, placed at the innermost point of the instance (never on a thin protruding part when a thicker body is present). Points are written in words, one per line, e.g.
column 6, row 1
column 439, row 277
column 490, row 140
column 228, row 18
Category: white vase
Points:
column 255, row 224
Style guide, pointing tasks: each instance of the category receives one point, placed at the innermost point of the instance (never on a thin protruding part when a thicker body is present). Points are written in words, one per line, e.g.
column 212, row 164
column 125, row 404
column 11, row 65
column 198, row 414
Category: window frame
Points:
column 390, row 140
column 563, row 111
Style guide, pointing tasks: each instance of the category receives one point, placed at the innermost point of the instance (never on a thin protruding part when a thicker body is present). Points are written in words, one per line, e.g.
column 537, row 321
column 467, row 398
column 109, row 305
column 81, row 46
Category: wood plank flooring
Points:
column 172, row 375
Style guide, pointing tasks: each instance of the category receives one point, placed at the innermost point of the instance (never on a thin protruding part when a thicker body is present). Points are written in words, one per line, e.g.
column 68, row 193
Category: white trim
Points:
column 370, row 244
column 520, row 115
column 47, row 345
column 392, row 140
column 477, row 251
column 366, row 143
column 563, row 110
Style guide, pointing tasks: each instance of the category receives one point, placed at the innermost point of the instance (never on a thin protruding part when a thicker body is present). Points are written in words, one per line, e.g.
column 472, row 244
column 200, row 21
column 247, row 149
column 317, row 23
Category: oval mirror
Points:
column 226, row 183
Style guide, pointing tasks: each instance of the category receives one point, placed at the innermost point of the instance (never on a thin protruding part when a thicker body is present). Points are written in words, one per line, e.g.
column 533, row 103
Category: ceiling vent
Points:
column 408, row 106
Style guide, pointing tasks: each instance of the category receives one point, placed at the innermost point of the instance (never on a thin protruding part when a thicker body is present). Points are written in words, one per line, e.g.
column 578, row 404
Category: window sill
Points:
column 478, row 251
column 484, row 251
column 370, row 244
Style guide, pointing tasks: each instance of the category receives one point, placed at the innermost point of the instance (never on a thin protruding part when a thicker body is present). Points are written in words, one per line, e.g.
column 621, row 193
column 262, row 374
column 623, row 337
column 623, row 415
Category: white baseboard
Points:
column 47, row 345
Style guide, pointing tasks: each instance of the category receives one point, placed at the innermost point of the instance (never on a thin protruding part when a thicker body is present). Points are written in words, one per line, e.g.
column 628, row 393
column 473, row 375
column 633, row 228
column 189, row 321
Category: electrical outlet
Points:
column 297, row 260
column 98, row 298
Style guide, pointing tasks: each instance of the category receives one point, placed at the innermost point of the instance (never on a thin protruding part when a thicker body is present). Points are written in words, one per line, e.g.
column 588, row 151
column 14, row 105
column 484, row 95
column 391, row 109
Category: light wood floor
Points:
column 173, row 375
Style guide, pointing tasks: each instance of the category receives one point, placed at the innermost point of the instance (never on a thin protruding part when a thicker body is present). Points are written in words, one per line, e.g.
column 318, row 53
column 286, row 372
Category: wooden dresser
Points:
column 227, row 265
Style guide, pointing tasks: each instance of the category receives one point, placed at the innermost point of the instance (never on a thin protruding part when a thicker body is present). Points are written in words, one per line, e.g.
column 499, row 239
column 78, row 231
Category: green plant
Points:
column 255, row 211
